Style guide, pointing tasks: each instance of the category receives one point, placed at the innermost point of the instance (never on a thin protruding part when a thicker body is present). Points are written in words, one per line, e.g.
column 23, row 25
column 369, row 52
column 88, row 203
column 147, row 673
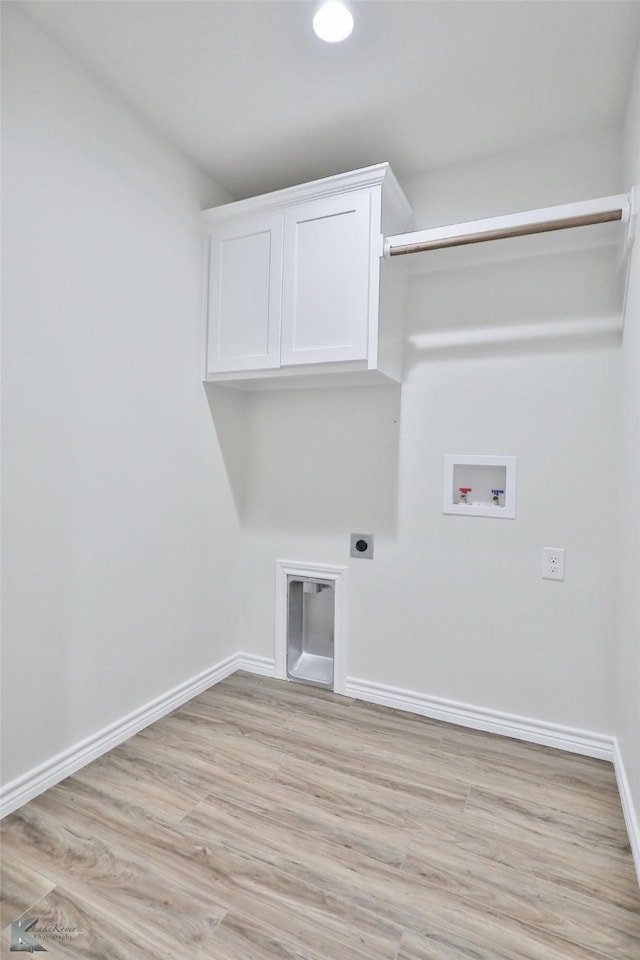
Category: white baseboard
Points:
column 628, row 808
column 479, row 718
column 264, row 666
column 36, row 781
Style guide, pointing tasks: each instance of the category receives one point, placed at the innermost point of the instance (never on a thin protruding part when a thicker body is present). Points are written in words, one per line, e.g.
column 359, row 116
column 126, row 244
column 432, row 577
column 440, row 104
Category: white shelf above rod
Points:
column 544, row 220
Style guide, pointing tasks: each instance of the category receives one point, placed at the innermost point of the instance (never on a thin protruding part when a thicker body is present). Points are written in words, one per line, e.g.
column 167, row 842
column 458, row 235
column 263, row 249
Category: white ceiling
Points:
column 245, row 89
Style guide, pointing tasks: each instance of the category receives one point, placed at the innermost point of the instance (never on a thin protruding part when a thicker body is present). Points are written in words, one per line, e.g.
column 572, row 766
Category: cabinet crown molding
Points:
column 362, row 179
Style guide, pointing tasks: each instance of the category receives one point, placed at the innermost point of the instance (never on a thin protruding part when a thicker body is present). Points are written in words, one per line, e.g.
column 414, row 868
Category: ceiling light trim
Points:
column 333, row 22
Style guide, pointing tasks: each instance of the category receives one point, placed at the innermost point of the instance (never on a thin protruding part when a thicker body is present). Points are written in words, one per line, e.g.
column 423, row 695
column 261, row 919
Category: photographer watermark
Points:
column 26, row 939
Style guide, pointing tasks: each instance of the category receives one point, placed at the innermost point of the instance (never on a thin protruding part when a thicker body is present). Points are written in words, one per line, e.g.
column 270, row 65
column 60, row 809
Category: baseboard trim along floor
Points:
column 630, row 819
column 270, row 819
column 587, row 743
column 479, row 718
column 36, row 781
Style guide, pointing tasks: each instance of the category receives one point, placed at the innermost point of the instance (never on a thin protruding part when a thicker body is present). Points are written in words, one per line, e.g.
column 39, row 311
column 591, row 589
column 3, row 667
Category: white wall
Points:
column 134, row 501
column 120, row 529
column 455, row 607
column 560, row 171
column 628, row 674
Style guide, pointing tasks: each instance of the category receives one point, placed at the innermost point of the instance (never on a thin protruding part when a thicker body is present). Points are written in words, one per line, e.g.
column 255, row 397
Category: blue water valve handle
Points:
column 497, row 492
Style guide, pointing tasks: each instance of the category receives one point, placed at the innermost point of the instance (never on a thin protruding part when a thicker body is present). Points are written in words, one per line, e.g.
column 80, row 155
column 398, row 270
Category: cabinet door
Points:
column 327, row 271
column 245, row 296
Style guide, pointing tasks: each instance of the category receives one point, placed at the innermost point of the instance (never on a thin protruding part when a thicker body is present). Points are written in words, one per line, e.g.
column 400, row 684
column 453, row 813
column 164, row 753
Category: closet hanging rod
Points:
column 546, row 226
column 546, row 220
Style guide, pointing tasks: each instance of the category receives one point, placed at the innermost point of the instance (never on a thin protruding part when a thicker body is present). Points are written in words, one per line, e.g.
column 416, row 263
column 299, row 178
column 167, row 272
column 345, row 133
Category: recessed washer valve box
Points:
column 362, row 545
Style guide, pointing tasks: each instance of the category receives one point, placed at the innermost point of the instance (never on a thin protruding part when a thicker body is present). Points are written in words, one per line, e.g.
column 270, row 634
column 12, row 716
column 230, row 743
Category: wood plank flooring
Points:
column 267, row 820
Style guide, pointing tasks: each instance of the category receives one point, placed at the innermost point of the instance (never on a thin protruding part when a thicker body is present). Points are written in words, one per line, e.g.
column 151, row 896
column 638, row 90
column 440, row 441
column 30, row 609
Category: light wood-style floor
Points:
column 267, row 820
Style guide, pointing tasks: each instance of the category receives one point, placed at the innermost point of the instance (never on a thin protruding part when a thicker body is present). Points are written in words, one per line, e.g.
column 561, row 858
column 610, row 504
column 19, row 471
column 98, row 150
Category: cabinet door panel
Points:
column 326, row 291
column 245, row 294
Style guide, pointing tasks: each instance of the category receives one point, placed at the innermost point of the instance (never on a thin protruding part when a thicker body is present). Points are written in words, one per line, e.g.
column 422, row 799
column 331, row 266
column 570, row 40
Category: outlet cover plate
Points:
column 362, row 546
column 553, row 563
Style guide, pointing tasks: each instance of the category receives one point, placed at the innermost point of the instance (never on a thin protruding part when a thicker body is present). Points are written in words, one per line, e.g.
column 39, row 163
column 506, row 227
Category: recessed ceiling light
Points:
column 333, row 22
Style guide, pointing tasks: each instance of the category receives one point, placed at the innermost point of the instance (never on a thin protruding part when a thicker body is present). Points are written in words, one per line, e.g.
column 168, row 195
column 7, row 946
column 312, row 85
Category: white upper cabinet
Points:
column 326, row 287
column 297, row 292
column 245, row 270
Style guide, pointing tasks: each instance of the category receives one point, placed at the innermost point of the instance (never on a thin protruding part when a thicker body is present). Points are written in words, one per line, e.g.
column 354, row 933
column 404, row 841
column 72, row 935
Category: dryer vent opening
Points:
column 310, row 630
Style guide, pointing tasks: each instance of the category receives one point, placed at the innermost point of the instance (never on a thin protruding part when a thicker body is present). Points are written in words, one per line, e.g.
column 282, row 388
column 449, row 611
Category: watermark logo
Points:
column 21, row 940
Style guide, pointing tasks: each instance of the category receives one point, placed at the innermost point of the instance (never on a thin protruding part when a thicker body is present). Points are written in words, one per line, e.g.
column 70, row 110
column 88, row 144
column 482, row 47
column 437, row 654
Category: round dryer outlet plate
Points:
column 362, row 545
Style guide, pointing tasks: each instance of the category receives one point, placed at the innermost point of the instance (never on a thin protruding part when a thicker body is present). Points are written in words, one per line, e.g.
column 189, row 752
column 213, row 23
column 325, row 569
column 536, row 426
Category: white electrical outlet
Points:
column 553, row 563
